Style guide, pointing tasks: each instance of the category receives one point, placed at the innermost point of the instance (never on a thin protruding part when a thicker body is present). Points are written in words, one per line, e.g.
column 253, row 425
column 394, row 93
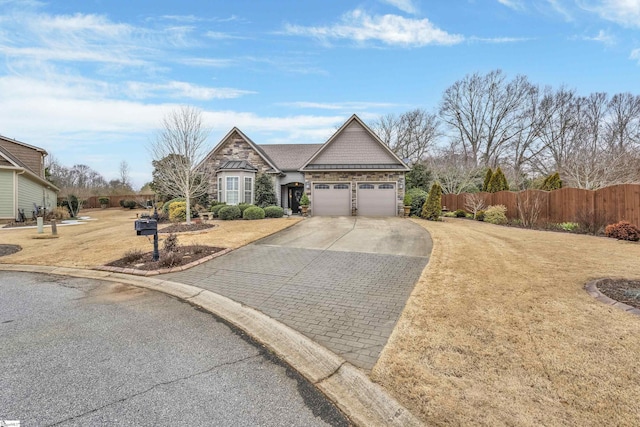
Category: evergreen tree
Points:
column 487, row 179
column 498, row 182
column 418, row 177
column 432, row 208
column 552, row 182
column 265, row 195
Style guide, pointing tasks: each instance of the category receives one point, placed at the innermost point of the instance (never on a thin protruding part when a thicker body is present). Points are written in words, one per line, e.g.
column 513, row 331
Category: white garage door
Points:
column 331, row 199
column 377, row 199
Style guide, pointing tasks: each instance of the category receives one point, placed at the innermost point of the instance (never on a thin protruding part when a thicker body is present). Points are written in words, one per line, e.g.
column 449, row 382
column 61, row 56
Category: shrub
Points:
column 569, row 226
column 171, row 243
column 459, row 213
column 130, row 204
column 228, row 213
column 498, row 182
column 496, row 214
column 552, row 182
column 215, row 210
column 418, row 197
column 170, row 259
column 103, row 200
column 178, row 211
column 165, row 207
column 197, row 249
column 480, row 215
column 244, row 206
column 264, row 192
column 407, row 199
column 432, row 208
column 273, row 212
column 304, row 200
column 253, row 212
column 487, row 180
column 71, row 204
column 623, row 230
column 121, row 203
column 592, row 222
column 132, row 255
column 60, row 213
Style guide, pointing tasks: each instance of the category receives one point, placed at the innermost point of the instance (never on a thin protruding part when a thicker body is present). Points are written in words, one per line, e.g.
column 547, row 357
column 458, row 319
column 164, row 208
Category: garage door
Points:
column 375, row 199
column 331, row 199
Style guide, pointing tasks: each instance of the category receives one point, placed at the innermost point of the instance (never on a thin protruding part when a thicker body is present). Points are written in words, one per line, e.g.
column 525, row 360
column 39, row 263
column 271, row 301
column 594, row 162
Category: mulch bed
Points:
column 184, row 255
column 622, row 290
column 184, row 228
column 9, row 249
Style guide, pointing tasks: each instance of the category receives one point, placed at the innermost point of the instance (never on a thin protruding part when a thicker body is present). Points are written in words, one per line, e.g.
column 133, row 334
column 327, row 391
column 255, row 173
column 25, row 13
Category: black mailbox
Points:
column 146, row 227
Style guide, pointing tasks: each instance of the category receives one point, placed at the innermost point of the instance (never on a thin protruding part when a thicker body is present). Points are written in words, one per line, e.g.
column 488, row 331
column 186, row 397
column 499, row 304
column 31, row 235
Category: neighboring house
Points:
column 353, row 173
column 22, row 179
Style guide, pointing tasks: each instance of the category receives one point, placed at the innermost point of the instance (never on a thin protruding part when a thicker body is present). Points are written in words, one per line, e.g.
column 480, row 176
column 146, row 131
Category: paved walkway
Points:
column 345, row 290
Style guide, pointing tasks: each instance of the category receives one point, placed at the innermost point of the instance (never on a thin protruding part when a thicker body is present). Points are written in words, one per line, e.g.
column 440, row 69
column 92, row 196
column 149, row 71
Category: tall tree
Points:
column 180, row 147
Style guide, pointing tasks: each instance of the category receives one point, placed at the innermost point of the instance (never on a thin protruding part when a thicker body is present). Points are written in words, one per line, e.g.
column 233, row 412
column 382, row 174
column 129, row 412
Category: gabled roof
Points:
column 17, row 164
column 290, row 157
column 12, row 159
column 24, row 144
column 248, row 140
column 351, row 153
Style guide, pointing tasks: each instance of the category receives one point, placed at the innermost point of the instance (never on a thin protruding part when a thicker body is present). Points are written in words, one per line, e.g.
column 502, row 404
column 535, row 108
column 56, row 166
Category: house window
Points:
column 232, row 190
column 366, row 187
column 220, row 198
column 385, row 186
column 341, row 187
column 248, row 190
column 322, row 187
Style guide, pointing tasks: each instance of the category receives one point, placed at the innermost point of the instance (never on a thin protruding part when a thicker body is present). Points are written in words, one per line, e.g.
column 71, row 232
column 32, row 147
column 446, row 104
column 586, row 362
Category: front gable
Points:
column 354, row 146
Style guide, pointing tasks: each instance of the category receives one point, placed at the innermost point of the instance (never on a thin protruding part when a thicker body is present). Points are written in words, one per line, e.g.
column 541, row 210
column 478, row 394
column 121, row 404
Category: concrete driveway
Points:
column 342, row 281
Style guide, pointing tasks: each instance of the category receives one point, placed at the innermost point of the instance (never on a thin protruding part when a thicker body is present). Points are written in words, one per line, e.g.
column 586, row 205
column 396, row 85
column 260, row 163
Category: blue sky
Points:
column 89, row 81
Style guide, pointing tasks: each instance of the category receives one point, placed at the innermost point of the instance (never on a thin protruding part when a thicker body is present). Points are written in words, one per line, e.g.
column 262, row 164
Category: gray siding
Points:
column 6, row 194
column 354, row 145
column 29, row 192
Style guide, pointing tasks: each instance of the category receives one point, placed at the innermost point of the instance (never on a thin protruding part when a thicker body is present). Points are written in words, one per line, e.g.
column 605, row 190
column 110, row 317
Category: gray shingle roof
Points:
column 290, row 157
column 379, row 166
column 237, row 165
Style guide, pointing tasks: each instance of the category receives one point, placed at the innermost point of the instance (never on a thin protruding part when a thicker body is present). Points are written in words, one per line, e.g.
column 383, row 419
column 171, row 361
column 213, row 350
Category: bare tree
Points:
column 180, row 147
column 529, row 205
column 453, row 171
column 125, row 180
column 474, row 202
column 410, row 135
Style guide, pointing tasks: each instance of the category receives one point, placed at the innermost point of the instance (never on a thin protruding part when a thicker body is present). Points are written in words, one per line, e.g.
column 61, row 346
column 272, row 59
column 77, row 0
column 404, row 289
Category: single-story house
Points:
column 352, row 173
column 22, row 179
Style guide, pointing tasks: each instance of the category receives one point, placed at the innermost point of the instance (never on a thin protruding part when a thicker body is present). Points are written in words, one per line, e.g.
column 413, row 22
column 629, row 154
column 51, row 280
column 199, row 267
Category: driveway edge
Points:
column 362, row 401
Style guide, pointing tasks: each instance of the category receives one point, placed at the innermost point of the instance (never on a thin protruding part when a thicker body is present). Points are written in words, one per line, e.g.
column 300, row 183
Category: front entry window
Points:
column 248, row 190
column 232, row 190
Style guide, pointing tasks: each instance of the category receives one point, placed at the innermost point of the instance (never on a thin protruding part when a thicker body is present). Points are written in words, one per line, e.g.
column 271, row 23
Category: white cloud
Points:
column 513, row 4
column 359, row 26
column 181, row 90
column 602, row 37
column 623, row 12
column 404, row 5
column 635, row 55
column 342, row 106
column 216, row 35
column 561, row 9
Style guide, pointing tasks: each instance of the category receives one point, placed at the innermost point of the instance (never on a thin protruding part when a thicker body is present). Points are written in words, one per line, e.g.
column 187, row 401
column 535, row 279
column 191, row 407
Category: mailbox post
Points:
column 148, row 227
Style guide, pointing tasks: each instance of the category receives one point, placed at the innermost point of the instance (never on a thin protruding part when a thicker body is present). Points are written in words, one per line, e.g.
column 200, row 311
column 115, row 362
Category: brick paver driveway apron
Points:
column 342, row 281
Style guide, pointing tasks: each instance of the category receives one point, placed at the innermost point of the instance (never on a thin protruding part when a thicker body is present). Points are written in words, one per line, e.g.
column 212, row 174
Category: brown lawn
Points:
column 112, row 234
column 499, row 331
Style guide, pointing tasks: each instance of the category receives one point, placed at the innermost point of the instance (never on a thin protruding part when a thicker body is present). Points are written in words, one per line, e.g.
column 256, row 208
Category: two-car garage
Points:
column 372, row 199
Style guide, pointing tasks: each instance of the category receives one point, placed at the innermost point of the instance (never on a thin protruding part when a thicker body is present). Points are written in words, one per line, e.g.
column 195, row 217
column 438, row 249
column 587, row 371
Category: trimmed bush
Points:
column 418, row 197
column 552, row 182
column 103, row 200
column 498, row 182
column 130, row 204
column 253, row 212
column 480, row 215
column 304, row 200
column 496, row 214
column 264, row 192
column 165, row 207
column 216, row 209
column 623, row 230
column 228, row 213
column 432, row 208
column 406, row 201
column 244, row 206
column 171, row 243
column 459, row 213
column 487, row 180
column 178, row 211
column 121, row 203
column 273, row 212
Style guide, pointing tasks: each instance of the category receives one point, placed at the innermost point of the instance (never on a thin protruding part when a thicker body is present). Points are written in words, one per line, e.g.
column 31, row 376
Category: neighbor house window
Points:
column 248, row 190
column 232, row 190
column 220, row 198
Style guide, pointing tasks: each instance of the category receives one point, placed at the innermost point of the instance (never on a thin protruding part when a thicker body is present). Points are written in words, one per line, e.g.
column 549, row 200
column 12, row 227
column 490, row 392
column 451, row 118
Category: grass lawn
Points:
column 499, row 331
column 112, row 234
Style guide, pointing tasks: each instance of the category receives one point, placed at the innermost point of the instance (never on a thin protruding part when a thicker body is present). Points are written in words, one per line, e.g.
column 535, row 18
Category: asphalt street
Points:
column 85, row 352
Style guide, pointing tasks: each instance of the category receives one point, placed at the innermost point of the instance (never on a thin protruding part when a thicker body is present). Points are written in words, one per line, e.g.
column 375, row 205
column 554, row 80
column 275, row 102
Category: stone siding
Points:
column 357, row 177
column 233, row 148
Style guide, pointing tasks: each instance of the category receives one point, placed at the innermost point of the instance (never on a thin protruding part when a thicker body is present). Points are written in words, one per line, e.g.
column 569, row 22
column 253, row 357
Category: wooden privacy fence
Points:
column 609, row 204
column 114, row 201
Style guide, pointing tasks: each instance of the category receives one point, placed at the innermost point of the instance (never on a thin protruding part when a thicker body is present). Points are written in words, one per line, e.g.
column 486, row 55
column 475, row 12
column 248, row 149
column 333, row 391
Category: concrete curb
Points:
column 350, row 389
column 592, row 289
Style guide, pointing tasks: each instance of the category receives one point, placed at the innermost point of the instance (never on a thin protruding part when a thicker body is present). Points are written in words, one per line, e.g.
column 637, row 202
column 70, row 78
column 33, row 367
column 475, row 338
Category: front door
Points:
column 295, row 193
